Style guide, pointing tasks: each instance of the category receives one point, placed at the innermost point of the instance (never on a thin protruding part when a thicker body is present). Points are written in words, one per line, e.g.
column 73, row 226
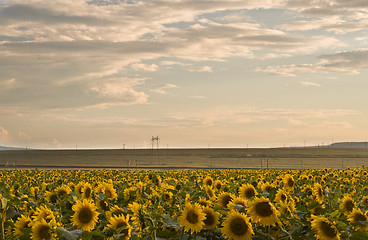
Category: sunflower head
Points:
column 62, row 190
column 192, row 218
column 43, row 230
column 325, row 229
column 288, row 182
column 121, row 222
column 236, row 226
column 262, row 211
column 85, row 215
column 110, row 191
column 218, row 185
column 212, row 218
column 365, row 201
column 357, row 216
column 318, row 192
column 347, row 204
column 247, row 191
column 43, row 212
column 209, row 191
column 23, row 221
column 224, row 199
column 86, row 191
column 208, row 181
column 281, row 196
column 267, row 187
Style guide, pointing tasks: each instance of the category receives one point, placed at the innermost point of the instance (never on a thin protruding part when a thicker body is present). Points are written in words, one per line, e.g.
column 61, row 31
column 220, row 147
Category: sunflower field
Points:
column 184, row 204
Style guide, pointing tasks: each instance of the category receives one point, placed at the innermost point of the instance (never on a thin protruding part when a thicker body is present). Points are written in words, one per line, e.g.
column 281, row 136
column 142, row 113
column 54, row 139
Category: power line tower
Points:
column 153, row 140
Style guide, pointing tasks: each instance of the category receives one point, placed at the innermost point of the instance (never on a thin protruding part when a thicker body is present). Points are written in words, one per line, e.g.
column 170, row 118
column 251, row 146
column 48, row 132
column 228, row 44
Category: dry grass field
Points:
column 249, row 158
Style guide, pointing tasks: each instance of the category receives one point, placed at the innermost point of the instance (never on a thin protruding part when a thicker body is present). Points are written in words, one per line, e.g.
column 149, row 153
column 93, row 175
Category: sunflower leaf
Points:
column 171, row 223
column 359, row 235
column 70, row 235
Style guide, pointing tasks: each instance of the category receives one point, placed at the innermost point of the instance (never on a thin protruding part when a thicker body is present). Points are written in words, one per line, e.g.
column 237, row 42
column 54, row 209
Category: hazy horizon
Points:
column 198, row 74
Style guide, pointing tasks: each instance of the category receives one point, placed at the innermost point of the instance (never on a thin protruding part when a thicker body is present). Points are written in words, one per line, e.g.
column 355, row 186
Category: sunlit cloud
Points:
column 163, row 88
column 310, row 84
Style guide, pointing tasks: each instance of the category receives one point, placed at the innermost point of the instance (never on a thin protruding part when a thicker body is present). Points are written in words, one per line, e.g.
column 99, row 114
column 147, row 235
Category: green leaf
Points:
column 69, row 235
column 335, row 214
column 171, row 223
column 359, row 235
column 101, row 196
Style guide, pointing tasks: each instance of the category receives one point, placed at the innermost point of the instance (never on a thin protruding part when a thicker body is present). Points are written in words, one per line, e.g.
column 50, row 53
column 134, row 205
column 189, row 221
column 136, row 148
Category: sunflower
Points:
column 357, row 216
column 86, row 191
column 212, row 218
column 192, row 218
column 318, row 193
column 167, row 197
column 130, row 194
column 247, row 191
column 325, row 229
column 347, row 204
column 138, row 214
column 43, row 212
column 224, row 199
column 22, row 222
column 62, row 190
column 365, row 201
column 262, row 211
column 43, row 230
column 109, row 191
column 209, row 191
column 85, row 216
column 288, row 182
column 281, row 196
column 267, row 187
column 236, row 226
column 78, row 188
column 204, row 202
column 218, row 185
column 102, row 204
column 308, row 191
column 120, row 221
column 208, row 181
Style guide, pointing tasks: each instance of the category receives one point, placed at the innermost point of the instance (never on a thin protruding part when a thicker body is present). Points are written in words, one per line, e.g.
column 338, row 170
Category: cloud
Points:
column 121, row 90
column 144, row 67
column 4, row 134
column 348, row 62
column 309, row 84
column 202, row 69
column 329, row 7
column 162, row 89
column 292, row 69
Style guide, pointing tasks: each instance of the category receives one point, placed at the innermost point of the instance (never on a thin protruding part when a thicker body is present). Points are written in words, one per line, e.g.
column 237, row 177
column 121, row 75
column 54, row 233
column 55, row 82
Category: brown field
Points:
column 249, row 158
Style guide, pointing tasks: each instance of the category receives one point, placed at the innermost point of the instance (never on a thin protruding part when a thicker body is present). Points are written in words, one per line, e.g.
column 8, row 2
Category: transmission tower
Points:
column 155, row 139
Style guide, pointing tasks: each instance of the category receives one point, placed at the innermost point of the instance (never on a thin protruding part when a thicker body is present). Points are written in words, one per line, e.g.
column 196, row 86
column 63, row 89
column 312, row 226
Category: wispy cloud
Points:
column 163, row 88
column 145, row 67
column 310, row 84
column 348, row 62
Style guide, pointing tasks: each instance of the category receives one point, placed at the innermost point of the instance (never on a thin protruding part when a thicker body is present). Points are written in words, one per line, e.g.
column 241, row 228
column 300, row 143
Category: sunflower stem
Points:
column 2, row 226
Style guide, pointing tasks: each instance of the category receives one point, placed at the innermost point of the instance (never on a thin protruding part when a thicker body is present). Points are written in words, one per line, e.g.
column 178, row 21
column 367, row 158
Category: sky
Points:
column 226, row 73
